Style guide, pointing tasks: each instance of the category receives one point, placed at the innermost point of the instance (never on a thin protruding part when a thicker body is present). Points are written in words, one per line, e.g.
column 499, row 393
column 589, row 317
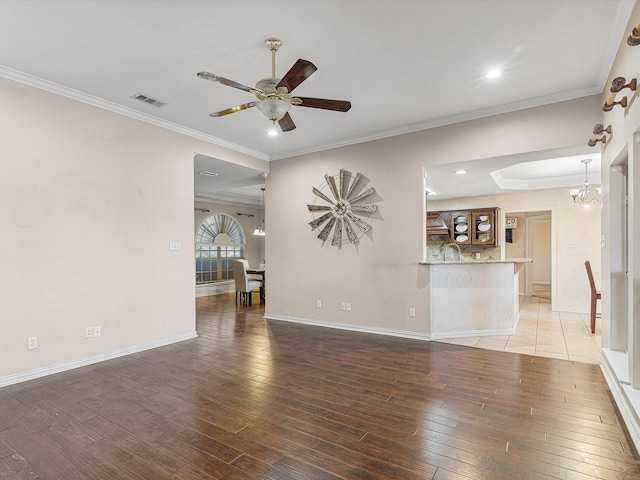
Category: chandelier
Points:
column 585, row 195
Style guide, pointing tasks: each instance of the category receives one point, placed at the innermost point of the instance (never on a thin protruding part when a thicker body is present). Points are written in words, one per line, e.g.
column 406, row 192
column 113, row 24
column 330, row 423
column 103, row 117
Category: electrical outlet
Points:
column 32, row 342
column 319, row 303
column 348, row 307
column 412, row 312
column 88, row 332
column 97, row 331
column 343, row 306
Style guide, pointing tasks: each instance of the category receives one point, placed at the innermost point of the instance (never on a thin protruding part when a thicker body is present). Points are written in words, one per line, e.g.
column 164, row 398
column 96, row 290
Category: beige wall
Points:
column 574, row 225
column 381, row 277
column 89, row 201
column 89, row 198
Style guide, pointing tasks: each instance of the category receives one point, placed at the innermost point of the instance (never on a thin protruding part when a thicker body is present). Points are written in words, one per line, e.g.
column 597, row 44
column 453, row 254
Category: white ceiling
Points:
column 404, row 65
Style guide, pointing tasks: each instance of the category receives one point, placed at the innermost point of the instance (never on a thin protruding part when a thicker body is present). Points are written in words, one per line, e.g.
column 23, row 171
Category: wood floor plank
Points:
column 250, row 399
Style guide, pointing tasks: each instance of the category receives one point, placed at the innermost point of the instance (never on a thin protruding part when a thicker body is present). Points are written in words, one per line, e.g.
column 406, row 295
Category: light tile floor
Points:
column 544, row 333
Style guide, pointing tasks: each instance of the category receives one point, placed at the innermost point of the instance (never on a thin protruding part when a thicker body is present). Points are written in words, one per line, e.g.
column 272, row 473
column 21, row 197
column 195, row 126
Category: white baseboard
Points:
column 217, row 288
column 627, row 398
column 83, row 362
column 387, row 331
column 349, row 326
column 473, row 333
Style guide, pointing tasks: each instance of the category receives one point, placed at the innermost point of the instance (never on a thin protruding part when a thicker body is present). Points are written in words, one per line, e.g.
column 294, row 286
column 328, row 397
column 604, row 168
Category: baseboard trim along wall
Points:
column 627, row 399
column 83, row 362
column 217, row 288
column 386, row 331
column 348, row 326
column 474, row 333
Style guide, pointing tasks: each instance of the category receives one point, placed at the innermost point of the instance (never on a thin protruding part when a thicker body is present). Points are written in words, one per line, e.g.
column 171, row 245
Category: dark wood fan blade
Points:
column 235, row 109
column 286, row 123
column 336, row 105
column 225, row 81
column 297, row 74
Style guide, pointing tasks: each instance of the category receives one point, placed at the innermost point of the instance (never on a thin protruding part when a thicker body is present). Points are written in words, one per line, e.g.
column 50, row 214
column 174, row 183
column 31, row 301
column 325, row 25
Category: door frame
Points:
column 544, row 213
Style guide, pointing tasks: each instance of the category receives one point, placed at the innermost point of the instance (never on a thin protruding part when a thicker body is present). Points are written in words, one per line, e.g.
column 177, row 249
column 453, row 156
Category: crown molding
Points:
column 444, row 121
column 67, row 92
column 58, row 89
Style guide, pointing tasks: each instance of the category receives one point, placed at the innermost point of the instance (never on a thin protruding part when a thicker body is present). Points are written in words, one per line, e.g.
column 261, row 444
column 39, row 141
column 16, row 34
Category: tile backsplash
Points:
column 436, row 249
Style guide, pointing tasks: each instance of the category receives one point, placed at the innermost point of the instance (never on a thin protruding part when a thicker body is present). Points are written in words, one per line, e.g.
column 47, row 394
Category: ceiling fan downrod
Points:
column 273, row 44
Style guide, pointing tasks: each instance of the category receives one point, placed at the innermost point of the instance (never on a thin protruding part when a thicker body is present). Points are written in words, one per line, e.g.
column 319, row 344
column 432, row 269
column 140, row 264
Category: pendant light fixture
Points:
column 259, row 231
column 585, row 195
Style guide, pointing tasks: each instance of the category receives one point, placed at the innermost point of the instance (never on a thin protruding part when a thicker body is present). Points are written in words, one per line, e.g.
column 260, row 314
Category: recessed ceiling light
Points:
column 460, row 172
column 273, row 132
column 494, row 73
column 208, row 174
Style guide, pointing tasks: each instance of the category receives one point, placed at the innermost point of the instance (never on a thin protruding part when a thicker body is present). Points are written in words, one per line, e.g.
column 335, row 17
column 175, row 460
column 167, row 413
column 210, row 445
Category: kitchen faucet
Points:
column 444, row 251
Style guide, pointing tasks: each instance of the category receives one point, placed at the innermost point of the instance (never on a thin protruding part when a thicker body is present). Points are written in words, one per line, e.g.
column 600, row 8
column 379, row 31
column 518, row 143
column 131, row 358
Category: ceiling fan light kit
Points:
column 274, row 94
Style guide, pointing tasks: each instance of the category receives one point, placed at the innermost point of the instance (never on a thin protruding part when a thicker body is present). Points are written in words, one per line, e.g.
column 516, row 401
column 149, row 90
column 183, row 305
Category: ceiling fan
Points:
column 274, row 94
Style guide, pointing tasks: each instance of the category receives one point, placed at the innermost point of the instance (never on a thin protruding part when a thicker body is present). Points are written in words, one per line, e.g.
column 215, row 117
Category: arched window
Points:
column 220, row 241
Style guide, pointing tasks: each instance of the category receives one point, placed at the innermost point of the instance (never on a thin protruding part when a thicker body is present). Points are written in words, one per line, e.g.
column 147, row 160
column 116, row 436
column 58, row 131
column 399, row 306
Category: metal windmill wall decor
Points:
column 344, row 210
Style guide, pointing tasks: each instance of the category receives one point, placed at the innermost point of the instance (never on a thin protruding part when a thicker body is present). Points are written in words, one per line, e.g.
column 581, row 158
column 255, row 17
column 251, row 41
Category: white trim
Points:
column 58, row 89
column 386, row 331
column 349, row 326
column 474, row 333
column 216, row 288
column 618, row 363
column 552, row 215
column 83, row 362
column 627, row 399
column 444, row 121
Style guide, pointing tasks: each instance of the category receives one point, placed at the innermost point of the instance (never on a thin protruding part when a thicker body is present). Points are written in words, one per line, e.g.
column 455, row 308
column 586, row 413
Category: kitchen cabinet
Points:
column 436, row 225
column 461, row 228
column 475, row 227
column 484, row 227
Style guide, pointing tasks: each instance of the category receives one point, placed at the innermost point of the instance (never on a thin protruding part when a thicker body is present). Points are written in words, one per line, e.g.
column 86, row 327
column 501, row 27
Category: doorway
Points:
column 532, row 236
column 538, row 279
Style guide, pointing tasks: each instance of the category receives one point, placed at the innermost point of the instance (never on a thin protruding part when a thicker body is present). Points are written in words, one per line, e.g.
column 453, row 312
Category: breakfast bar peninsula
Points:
column 474, row 297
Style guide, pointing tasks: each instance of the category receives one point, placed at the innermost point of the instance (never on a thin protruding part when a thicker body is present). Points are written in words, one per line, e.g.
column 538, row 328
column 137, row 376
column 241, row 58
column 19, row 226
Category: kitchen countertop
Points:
column 436, row 261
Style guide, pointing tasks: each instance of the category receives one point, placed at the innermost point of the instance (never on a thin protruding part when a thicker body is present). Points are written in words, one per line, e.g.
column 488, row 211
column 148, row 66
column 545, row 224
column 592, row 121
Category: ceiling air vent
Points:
column 150, row 100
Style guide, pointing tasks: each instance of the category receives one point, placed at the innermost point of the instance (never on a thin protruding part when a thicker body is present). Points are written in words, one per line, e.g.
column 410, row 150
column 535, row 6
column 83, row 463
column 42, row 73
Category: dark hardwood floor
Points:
column 251, row 399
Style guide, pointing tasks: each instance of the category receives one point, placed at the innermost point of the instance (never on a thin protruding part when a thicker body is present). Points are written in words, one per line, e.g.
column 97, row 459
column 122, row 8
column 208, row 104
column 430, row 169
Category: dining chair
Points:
column 595, row 295
column 254, row 276
column 244, row 286
column 250, row 276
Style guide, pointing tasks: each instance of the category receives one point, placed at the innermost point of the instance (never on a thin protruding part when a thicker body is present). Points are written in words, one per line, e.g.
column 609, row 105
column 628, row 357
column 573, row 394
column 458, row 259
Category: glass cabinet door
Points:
column 461, row 228
column 484, row 230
